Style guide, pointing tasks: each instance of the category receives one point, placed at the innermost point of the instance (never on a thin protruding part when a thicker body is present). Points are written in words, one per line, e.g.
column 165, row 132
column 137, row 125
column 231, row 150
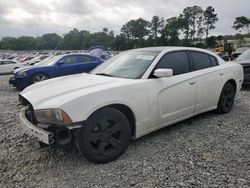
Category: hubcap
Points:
column 228, row 98
column 105, row 137
column 39, row 78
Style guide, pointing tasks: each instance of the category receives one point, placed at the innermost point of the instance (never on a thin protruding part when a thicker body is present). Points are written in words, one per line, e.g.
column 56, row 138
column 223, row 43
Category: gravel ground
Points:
column 209, row 150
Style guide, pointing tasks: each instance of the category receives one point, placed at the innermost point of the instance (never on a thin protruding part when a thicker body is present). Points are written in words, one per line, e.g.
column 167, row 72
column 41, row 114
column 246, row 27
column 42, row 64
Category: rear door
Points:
column 210, row 77
column 86, row 63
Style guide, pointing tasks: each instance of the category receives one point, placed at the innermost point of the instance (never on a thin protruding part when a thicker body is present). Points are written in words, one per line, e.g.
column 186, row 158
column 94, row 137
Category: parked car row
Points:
column 233, row 56
column 132, row 94
column 244, row 60
column 21, row 59
column 7, row 66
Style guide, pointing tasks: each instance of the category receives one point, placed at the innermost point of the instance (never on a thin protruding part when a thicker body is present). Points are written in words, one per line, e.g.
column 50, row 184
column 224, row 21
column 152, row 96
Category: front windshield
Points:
column 131, row 64
column 244, row 56
column 49, row 61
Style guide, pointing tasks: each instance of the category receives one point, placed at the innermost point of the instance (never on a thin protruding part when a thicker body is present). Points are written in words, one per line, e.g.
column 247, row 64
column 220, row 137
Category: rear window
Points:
column 213, row 60
column 9, row 62
column 70, row 59
column 200, row 60
column 83, row 58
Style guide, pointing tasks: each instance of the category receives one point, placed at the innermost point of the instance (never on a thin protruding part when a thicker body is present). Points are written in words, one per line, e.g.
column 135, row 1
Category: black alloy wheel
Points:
column 105, row 136
column 38, row 78
column 226, row 100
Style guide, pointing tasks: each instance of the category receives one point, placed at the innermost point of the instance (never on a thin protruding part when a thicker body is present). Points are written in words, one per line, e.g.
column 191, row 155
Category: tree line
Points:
column 193, row 25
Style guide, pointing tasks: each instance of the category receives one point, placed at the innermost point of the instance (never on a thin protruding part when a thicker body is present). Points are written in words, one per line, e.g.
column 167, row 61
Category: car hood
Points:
column 26, row 68
column 243, row 62
column 53, row 90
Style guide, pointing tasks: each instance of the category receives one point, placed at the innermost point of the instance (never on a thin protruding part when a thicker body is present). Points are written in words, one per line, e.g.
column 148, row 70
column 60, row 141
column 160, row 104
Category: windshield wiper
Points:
column 104, row 74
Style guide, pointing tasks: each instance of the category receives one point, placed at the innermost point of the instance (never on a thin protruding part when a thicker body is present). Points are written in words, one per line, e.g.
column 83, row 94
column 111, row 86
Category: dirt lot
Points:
column 210, row 150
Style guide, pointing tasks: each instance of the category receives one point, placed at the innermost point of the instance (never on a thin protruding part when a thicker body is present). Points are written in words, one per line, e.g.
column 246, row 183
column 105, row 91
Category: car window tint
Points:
column 213, row 61
column 70, row 59
column 86, row 59
column 9, row 62
column 1, row 62
column 178, row 61
column 200, row 60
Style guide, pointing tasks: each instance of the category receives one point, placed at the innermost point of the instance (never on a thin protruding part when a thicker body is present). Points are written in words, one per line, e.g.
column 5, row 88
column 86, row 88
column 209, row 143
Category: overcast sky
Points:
column 35, row 17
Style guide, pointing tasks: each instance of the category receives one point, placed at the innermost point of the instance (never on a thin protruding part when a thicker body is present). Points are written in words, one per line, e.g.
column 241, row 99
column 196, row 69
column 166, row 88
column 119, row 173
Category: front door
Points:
column 174, row 97
column 68, row 65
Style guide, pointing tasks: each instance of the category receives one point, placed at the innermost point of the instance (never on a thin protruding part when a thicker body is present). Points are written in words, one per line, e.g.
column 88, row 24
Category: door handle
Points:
column 221, row 74
column 192, row 82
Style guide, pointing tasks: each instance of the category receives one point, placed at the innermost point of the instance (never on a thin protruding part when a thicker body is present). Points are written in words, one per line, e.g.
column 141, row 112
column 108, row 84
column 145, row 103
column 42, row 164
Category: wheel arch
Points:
column 36, row 73
column 124, row 109
column 233, row 82
column 40, row 72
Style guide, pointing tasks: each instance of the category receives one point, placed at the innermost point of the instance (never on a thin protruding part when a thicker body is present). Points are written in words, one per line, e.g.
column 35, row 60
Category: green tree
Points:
column 105, row 30
column 191, row 21
column 211, row 42
column 126, row 31
column 184, row 20
column 121, row 43
column 140, row 28
column 73, row 40
column 156, row 26
column 242, row 23
column 136, row 30
column 170, row 33
column 49, row 41
column 25, row 43
column 9, row 43
column 105, row 38
column 196, row 18
column 210, row 18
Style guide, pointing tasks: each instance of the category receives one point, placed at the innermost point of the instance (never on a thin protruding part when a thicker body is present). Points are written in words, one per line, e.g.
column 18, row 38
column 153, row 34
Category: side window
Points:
column 69, row 59
column 178, row 61
column 200, row 60
column 83, row 58
column 213, row 60
column 8, row 62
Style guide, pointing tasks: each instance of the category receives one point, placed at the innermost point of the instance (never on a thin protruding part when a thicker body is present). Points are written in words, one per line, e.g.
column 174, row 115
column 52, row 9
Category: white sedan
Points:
column 130, row 95
column 7, row 66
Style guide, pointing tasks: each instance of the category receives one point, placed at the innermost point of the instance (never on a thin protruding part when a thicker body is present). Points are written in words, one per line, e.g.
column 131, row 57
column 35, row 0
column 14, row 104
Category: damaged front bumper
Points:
column 48, row 134
column 41, row 134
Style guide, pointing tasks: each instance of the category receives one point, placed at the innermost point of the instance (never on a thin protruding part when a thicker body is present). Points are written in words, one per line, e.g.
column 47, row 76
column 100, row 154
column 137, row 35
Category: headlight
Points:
column 53, row 116
column 22, row 74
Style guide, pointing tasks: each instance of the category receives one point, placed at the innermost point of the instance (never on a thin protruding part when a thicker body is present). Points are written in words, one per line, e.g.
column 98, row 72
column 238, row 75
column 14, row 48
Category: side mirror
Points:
column 161, row 73
column 60, row 63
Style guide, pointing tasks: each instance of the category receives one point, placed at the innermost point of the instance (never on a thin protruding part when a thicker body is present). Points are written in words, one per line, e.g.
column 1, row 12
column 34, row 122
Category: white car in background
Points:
column 132, row 94
column 7, row 66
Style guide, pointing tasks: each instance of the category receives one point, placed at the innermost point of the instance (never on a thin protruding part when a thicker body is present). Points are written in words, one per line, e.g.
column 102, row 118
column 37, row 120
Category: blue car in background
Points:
column 56, row 66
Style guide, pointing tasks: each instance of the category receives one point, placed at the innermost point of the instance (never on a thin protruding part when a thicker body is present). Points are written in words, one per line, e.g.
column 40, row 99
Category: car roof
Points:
column 164, row 48
column 63, row 55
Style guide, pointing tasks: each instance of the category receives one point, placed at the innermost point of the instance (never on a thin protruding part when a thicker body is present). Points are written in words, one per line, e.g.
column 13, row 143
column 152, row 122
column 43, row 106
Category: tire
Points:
column 226, row 100
column 38, row 78
column 105, row 136
column 42, row 145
